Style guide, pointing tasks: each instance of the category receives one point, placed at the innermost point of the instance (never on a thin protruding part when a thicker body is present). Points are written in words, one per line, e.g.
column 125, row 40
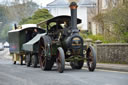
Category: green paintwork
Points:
column 18, row 37
column 54, row 48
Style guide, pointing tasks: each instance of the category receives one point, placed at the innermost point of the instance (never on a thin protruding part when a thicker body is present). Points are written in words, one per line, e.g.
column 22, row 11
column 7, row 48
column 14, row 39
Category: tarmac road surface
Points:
column 21, row 75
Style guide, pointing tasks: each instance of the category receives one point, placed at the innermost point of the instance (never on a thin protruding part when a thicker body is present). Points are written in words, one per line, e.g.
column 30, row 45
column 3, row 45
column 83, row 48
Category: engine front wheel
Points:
column 91, row 58
column 60, row 60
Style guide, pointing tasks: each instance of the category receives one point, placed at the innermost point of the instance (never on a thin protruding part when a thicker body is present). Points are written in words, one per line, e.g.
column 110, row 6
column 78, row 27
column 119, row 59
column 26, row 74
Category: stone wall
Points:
column 112, row 53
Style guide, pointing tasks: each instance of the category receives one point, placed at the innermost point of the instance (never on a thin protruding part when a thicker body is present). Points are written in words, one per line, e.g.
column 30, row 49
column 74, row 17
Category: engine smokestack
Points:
column 73, row 7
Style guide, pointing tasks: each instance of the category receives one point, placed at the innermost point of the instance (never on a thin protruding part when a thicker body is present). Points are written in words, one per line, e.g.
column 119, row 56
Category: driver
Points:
column 56, row 30
column 66, row 29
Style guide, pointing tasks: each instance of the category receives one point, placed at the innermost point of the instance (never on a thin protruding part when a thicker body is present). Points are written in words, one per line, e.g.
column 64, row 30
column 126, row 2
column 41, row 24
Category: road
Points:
column 21, row 75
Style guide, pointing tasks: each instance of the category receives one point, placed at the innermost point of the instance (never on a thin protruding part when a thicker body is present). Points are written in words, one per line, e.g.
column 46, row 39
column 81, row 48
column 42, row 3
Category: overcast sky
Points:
column 43, row 2
column 39, row 2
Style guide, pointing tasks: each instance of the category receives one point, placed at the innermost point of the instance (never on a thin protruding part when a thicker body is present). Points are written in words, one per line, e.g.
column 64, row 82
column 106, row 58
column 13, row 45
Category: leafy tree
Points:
column 3, row 18
column 14, row 13
column 18, row 11
column 38, row 16
column 4, row 33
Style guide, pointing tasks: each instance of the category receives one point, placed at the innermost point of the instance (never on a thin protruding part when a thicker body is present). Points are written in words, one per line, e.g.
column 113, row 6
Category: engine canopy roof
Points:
column 60, row 20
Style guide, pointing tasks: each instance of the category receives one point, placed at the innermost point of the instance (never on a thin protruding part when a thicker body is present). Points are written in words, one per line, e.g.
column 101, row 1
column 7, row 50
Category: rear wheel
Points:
column 34, row 61
column 77, row 64
column 60, row 60
column 45, row 63
column 91, row 58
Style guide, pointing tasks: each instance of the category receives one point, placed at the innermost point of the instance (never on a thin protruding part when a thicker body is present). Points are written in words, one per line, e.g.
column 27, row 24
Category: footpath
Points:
column 113, row 67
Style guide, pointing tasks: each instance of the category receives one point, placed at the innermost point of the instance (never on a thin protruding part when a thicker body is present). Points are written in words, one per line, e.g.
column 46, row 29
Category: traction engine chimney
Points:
column 73, row 7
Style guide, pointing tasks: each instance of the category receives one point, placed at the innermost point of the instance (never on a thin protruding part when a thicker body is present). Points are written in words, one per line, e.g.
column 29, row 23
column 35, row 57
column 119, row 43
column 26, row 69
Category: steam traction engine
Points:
column 64, row 44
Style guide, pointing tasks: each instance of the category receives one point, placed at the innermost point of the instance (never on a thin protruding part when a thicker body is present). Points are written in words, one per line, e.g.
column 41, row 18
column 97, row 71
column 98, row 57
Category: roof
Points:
column 28, row 25
column 86, row 2
column 27, row 28
column 60, row 19
column 65, row 3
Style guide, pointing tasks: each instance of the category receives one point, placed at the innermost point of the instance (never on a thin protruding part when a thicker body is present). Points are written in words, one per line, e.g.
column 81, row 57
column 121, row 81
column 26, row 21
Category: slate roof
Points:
column 65, row 3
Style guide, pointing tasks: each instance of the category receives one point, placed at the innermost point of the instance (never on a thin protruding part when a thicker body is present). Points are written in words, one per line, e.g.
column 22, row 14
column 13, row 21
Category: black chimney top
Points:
column 73, row 4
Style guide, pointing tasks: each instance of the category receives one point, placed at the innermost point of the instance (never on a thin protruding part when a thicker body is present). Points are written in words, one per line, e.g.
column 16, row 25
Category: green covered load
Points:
column 32, row 45
column 20, row 36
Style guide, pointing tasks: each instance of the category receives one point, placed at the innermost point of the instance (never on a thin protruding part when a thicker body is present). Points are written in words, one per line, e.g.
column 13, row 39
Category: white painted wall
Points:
column 60, row 11
column 81, row 13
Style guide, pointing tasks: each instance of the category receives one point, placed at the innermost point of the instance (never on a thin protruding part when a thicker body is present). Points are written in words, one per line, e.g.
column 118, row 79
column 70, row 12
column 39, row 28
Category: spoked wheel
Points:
column 21, row 60
column 42, row 60
column 28, row 60
column 77, row 64
column 60, row 60
column 34, row 60
column 45, row 63
column 91, row 58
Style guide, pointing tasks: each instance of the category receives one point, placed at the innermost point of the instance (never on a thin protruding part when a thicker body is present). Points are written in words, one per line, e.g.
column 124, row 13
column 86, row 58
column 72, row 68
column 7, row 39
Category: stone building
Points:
column 103, row 6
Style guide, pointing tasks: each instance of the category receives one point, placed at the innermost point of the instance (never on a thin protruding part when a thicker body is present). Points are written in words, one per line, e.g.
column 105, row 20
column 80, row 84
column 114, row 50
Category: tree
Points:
column 11, row 13
column 38, row 16
column 18, row 11
column 3, row 18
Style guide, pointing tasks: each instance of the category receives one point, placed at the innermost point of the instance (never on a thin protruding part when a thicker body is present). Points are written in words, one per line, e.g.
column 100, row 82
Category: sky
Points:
column 43, row 2
column 39, row 2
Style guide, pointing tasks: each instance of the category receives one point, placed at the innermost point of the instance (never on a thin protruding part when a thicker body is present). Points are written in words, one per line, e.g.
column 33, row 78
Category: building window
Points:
column 114, row 3
column 104, row 4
